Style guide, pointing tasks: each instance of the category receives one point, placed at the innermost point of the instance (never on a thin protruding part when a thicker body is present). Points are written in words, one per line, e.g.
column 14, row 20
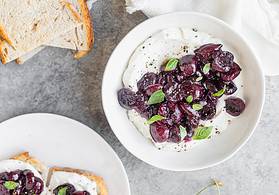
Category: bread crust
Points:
column 5, row 37
column 3, row 55
column 102, row 189
column 88, row 24
column 38, row 165
column 71, row 8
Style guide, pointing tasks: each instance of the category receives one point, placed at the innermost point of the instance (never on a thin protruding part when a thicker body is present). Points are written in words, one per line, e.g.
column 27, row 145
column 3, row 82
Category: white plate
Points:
column 212, row 152
column 60, row 141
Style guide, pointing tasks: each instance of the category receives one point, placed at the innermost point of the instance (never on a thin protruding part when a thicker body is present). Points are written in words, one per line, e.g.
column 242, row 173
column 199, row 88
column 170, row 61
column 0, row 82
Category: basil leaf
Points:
column 10, row 185
column 183, row 132
column 171, row 65
column 219, row 93
column 189, row 99
column 197, row 107
column 156, row 97
column 154, row 118
column 202, row 133
column 63, row 191
column 206, row 68
column 199, row 78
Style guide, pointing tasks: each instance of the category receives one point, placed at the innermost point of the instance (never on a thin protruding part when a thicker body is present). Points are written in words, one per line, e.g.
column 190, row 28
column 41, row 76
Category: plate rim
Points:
column 101, row 139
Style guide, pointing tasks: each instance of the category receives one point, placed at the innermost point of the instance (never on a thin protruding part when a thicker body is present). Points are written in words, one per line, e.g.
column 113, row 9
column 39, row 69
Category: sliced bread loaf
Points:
column 22, row 31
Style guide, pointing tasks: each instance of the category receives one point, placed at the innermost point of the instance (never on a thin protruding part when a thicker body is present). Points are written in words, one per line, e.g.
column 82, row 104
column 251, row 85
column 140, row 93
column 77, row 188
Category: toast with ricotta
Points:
column 38, row 165
column 80, row 179
column 22, row 174
column 22, row 31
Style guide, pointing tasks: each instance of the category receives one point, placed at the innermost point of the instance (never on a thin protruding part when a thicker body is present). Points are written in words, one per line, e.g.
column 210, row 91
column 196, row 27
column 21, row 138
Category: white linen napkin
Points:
column 257, row 20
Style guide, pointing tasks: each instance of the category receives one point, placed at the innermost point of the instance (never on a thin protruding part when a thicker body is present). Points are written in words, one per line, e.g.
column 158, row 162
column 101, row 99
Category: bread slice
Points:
column 39, row 166
column 101, row 187
column 26, row 25
column 80, row 39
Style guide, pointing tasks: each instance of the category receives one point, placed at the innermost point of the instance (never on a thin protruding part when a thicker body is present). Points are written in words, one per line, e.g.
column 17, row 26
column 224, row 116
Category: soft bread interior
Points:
column 80, row 39
column 101, row 187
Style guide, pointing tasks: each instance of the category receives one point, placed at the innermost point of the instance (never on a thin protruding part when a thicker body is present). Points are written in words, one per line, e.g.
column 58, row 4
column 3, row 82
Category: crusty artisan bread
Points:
column 101, row 186
column 80, row 38
column 22, row 31
column 39, row 166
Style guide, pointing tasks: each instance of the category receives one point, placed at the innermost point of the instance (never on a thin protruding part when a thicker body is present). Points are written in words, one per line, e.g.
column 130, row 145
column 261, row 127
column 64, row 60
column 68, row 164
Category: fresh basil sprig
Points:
column 202, row 132
column 172, row 64
column 199, row 78
column 206, row 68
column 197, row 107
column 189, row 98
column 219, row 93
column 156, row 97
column 154, row 119
column 63, row 191
column 10, row 185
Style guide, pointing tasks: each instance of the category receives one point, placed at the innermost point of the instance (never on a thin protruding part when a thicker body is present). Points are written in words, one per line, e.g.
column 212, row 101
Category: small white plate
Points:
column 60, row 141
column 215, row 150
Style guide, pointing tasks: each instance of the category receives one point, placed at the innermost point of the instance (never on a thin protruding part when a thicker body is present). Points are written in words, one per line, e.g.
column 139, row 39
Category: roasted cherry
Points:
column 232, row 73
column 188, row 65
column 234, row 106
column 223, row 61
column 147, row 79
column 159, row 132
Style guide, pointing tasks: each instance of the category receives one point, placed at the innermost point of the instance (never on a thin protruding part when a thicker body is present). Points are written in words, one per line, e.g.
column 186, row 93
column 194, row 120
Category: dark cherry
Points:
column 188, row 65
column 192, row 122
column 208, row 112
column 27, row 182
column 147, row 79
column 127, row 98
column 232, row 73
column 38, row 186
column 231, row 88
column 159, row 132
column 152, row 88
column 166, row 78
column 206, row 51
column 164, row 110
column 188, row 110
column 174, row 92
column 234, row 106
column 196, row 90
column 150, row 111
column 3, row 190
column 223, row 61
column 174, row 136
column 70, row 188
column 177, row 115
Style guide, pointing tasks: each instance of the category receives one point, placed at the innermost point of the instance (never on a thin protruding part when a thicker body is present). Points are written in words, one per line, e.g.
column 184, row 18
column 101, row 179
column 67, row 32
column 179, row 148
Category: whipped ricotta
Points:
column 80, row 182
column 12, row 165
column 155, row 51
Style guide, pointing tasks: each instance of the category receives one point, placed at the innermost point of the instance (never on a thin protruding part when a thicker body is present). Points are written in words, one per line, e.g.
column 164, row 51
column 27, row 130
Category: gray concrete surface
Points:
column 53, row 82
